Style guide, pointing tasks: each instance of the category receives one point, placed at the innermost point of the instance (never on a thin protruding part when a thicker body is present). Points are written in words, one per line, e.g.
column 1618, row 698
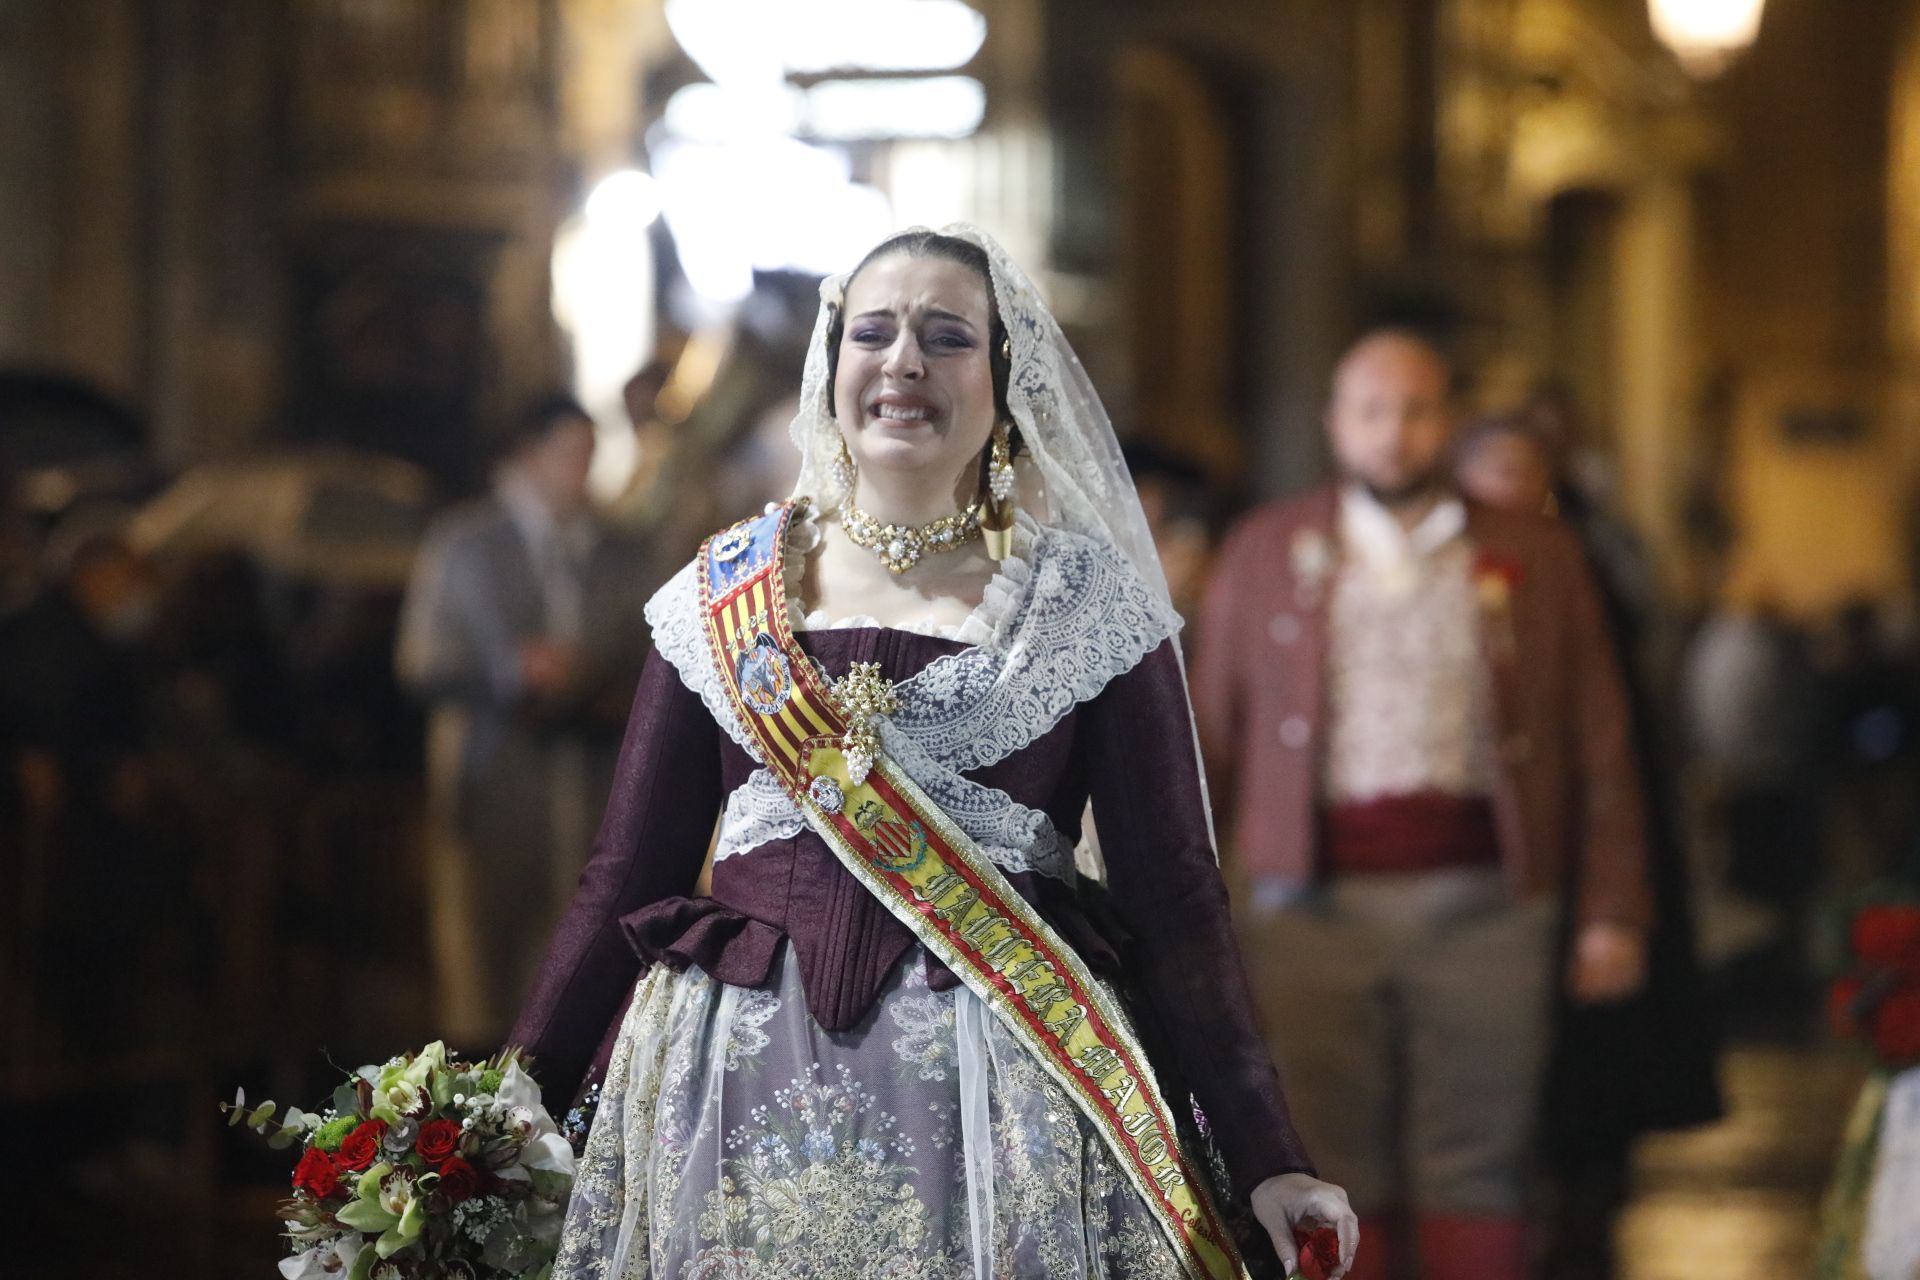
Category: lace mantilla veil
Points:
column 1071, row 475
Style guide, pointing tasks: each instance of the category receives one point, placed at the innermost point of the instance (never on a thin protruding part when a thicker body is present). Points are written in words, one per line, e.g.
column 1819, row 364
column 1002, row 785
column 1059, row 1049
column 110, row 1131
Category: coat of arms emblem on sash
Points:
column 765, row 679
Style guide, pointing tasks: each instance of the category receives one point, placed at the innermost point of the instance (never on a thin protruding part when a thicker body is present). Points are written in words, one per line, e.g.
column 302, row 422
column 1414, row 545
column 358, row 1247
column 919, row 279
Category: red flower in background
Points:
column 459, row 1180
column 362, row 1146
column 316, row 1173
column 436, row 1141
column 1896, row 1028
column 1888, row 937
column 1491, row 566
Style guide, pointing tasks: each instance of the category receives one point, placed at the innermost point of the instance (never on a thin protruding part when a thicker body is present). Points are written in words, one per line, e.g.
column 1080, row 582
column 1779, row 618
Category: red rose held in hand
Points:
column 459, row 1180
column 1319, row 1250
column 316, row 1173
column 437, row 1140
column 362, row 1146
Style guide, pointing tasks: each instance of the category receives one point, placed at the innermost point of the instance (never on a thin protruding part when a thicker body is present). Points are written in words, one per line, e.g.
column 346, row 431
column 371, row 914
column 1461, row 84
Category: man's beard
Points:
column 1408, row 493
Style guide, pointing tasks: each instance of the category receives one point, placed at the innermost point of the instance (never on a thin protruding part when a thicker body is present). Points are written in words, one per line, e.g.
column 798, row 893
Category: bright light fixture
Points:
column 718, row 198
column 1706, row 35
column 709, row 113
column 628, row 200
column 932, row 107
column 744, row 41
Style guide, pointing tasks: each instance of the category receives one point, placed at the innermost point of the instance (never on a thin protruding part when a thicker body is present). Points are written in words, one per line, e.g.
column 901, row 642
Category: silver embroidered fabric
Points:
column 737, row 1140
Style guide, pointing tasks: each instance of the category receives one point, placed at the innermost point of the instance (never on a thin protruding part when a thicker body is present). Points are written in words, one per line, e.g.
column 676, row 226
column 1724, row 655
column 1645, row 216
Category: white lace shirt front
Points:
column 1409, row 701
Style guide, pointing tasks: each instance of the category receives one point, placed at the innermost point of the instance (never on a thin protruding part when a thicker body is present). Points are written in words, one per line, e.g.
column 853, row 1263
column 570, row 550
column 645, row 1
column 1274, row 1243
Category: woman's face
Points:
column 1508, row 470
column 913, row 392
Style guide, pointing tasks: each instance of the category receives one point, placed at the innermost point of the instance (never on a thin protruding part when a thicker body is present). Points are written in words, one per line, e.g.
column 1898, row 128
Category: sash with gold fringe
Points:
column 818, row 739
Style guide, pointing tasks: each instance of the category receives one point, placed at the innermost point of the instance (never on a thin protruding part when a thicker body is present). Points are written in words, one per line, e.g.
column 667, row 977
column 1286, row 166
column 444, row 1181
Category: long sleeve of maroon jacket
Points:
column 652, row 840
column 1166, row 884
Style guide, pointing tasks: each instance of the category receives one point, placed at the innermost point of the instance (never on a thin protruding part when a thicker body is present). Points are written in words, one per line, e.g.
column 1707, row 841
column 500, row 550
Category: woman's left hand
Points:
column 1300, row 1201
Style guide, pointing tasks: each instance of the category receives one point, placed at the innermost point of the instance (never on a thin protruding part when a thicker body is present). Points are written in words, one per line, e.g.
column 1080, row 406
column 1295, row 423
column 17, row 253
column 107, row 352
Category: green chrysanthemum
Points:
column 330, row 1135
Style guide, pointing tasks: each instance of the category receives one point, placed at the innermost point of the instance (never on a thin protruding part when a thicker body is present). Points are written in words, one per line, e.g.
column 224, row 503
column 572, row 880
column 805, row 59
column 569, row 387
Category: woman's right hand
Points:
column 1299, row 1201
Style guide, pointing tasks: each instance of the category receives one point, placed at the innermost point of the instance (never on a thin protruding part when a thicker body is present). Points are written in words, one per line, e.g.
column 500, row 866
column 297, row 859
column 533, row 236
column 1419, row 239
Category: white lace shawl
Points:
column 1064, row 616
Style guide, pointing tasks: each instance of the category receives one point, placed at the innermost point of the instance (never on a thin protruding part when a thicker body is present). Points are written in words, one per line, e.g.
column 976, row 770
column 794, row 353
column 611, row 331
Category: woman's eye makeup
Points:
column 868, row 335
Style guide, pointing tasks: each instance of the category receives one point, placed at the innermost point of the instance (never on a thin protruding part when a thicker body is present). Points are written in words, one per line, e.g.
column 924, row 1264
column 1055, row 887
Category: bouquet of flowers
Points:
column 1878, row 998
column 422, row 1168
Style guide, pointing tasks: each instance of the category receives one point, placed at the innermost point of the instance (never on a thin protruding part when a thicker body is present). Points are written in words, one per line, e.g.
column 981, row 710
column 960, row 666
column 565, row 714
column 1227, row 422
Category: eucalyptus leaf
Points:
column 283, row 1139
column 234, row 1116
column 261, row 1114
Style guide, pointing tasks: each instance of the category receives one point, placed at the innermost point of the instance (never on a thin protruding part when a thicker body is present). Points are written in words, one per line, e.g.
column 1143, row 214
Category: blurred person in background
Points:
column 1183, row 515
column 522, row 630
column 72, row 689
column 1758, row 730
column 1419, row 734
column 16, row 592
column 1618, row 1069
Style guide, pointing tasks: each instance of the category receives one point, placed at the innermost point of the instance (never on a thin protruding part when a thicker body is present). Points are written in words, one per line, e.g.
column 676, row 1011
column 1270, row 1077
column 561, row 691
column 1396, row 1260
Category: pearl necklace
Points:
column 901, row 546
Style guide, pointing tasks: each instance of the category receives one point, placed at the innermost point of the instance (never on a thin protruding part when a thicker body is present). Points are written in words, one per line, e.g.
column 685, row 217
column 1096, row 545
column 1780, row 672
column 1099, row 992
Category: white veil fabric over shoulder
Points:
column 1071, row 472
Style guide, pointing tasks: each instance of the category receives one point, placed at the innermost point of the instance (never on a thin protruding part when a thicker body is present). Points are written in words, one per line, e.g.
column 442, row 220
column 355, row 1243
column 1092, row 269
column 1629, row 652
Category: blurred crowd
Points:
column 308, row 740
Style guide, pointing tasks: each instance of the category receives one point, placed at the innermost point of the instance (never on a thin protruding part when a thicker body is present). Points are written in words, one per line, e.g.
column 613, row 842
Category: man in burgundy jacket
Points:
column 1420, row 742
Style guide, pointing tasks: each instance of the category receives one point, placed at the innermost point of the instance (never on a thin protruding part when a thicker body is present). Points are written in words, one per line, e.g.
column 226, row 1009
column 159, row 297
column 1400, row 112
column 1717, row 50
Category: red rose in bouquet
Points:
column 437, row 1141
column 459, row 1181
column 374, row 1194
column 1879, row 1000
column 362, row 1147
column 316, row 1173
column 1896, row 1028
column 1888, row 937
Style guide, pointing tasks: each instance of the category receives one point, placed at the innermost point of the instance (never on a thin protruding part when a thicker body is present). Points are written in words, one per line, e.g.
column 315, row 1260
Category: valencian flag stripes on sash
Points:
column 816, row 739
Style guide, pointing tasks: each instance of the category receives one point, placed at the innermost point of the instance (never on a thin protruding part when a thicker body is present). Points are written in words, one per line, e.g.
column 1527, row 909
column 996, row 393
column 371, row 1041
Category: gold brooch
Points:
column 862, row 696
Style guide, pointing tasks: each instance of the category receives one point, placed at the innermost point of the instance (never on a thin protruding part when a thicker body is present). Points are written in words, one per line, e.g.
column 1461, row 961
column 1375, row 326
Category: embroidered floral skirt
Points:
column 737, row 1140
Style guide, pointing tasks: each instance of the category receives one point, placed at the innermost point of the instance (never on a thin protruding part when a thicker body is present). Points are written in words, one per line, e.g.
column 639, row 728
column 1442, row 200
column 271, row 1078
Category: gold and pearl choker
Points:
column 902, row 546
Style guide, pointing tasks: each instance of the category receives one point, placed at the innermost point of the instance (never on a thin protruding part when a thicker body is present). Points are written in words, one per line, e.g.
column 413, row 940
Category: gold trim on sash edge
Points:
column 929, row 873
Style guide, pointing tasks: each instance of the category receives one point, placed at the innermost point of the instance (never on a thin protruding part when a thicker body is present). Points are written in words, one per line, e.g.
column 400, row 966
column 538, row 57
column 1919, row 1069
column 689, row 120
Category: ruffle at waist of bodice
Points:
column 845, row 956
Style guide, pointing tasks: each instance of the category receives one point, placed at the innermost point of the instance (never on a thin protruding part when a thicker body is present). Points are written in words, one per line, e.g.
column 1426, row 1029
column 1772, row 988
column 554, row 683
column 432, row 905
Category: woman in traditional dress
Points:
column 903, row 1037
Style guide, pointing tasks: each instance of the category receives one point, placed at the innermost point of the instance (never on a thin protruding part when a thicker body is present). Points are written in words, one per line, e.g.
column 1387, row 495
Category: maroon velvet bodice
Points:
column 1129, row 750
